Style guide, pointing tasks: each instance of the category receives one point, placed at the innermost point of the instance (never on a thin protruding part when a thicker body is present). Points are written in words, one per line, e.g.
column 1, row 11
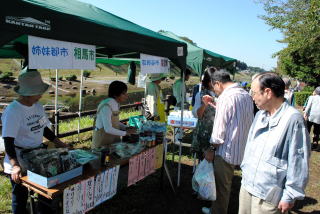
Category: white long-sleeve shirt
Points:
column 104, row 117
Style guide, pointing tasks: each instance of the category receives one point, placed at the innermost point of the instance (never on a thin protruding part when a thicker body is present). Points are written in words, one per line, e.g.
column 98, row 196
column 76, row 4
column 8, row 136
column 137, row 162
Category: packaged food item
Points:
column 50, row 162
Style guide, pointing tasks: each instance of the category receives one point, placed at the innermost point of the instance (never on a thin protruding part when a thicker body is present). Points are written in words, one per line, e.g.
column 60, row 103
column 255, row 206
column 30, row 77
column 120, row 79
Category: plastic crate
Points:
column 187, row 122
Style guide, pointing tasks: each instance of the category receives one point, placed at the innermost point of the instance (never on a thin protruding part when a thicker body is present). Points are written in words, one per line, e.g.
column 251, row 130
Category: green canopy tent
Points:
column 198, row 58
column 131, row 71
column 74, row 21
column 117, row 61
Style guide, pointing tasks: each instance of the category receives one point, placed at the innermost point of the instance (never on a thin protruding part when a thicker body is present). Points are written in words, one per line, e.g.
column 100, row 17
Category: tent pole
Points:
column 183, row 92
column 56, row 106
column 80, row 103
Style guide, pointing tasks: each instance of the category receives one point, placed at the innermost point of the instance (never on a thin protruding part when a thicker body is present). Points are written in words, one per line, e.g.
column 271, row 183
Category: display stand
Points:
column 55, row 194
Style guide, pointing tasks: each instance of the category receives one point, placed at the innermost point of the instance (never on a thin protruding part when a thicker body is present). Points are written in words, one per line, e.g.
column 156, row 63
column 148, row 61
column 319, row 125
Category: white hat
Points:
column 30, row 83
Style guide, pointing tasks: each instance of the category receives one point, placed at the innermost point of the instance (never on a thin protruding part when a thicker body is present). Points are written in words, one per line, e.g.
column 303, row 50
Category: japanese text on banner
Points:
column 54, row 54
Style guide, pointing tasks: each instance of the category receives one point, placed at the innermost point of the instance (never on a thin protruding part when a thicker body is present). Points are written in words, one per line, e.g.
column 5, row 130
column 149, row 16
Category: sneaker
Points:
column 206, row 210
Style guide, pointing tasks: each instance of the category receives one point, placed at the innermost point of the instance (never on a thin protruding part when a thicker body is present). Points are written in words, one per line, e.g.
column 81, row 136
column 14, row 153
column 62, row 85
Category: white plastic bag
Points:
column 203, row 181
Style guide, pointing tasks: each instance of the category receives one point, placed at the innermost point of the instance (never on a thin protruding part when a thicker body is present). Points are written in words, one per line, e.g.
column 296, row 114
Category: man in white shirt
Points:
column 24, row 126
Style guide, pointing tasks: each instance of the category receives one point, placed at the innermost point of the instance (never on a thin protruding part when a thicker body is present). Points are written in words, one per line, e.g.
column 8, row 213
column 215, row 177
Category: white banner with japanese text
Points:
column 54, row 54
column 154, row 64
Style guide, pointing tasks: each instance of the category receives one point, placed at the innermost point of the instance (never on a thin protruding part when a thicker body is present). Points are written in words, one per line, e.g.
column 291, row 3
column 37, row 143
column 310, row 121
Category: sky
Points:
column 228, row 27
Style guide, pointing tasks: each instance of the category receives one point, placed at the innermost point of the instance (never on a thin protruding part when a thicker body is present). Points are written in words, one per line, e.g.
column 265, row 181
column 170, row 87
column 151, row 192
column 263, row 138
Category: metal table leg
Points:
column 31, row 198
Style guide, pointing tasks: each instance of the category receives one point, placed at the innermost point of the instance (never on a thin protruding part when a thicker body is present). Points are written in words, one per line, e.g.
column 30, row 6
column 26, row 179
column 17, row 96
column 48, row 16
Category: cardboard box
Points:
column 52, row 181
column 187, row 122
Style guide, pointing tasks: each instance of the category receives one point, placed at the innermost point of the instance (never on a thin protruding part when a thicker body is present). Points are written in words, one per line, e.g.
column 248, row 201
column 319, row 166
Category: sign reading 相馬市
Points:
column 54, row 54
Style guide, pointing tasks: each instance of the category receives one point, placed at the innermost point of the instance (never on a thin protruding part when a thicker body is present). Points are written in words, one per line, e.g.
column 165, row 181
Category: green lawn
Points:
column 85, row 138
column 5, row 194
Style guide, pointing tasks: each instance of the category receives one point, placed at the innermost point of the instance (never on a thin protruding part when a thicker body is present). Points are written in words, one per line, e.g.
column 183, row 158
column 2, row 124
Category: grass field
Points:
column 87, row 121
column 5, row 194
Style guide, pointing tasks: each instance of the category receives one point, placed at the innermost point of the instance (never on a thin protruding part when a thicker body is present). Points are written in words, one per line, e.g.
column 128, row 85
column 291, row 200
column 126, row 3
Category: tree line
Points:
column 299, row 22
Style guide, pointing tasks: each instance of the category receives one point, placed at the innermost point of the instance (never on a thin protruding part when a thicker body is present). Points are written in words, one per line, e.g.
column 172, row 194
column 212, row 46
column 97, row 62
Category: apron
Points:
column 20, row 152
column 161, row 111
column 102, row 139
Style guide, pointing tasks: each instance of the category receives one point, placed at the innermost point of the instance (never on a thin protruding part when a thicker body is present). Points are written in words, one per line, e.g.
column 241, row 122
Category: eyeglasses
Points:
column 253, row 93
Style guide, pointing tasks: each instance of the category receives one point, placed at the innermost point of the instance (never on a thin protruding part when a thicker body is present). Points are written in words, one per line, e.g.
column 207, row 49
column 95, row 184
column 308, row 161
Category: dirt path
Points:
column 147, row 196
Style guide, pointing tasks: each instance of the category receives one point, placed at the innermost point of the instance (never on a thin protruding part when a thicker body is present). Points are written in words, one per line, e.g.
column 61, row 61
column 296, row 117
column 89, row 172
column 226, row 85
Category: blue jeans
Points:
column 19, row 198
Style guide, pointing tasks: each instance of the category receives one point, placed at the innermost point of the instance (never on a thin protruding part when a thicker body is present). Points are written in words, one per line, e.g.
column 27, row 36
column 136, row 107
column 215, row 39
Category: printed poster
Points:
column 89, row 193
column 79, row 205
column 104, row 185
column 159, row 156
column 142, row 162
column 131, row 171
column 136, row 170
column 68, row 200
column 110, row 182
column 115, row 180
column 98, row 189
column 152, row 159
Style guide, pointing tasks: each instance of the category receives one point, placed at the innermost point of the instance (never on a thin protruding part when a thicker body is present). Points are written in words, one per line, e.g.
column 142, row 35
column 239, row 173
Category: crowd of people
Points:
column 272, row 145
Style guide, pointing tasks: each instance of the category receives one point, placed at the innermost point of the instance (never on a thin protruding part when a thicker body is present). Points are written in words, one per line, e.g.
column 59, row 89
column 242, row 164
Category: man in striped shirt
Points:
column 234, row 116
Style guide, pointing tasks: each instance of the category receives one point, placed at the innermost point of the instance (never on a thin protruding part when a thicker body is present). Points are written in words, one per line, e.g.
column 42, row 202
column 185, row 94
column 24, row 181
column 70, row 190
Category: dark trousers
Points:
column 223, row 173
column 316, row 130
column 19, row 198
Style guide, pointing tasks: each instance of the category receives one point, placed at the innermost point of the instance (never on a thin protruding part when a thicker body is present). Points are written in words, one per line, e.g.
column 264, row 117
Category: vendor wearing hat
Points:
column 24, row 126
column 154, row 109
column 177, row 90
column 108, row 129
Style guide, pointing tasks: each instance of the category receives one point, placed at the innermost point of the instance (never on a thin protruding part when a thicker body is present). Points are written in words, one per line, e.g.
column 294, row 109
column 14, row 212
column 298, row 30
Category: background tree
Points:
column 188, row 40
column 256, row 69
column 299, row 22
column 241, row 65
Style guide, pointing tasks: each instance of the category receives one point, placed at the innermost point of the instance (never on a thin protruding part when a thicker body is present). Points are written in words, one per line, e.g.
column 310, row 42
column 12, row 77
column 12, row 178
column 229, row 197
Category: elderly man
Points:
column 24, row 126
column 234, row 115
column 275, row 164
